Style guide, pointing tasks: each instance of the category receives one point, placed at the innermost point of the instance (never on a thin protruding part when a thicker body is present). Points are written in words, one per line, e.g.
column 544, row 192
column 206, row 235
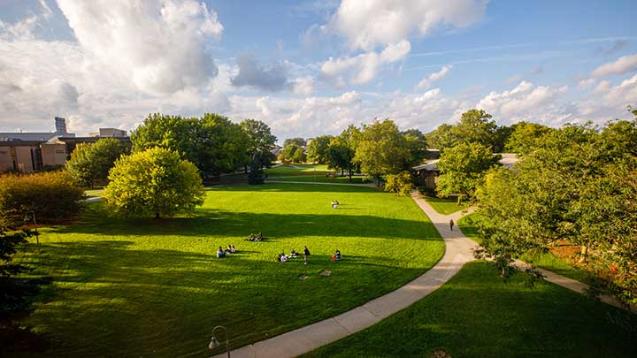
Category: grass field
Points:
column 309, row 173
column 476, row 314
column 469, row 225
column 154, row 288
column 446, row 206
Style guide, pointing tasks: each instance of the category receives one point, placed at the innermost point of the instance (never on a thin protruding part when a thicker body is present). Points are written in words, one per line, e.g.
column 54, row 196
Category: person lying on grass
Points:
column 282, row 257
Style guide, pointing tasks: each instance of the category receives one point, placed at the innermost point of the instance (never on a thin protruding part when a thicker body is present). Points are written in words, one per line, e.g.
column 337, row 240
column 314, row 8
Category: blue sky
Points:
column 312, row 67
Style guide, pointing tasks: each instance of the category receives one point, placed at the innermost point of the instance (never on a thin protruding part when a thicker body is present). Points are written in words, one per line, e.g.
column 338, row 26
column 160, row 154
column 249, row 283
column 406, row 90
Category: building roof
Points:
column 20, row 143
column 507, row 160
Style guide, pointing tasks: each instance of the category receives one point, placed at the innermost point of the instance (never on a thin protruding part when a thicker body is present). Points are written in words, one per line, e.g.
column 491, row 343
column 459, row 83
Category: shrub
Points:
column 399, row 183
column 50, row 196
column 154, row 182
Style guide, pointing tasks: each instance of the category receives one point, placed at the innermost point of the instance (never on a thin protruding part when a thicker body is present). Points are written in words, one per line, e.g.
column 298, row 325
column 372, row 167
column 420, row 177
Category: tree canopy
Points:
column 381, row 149
column 154, row 182
column 462, row 168
column 90, row 162
column 318, row 148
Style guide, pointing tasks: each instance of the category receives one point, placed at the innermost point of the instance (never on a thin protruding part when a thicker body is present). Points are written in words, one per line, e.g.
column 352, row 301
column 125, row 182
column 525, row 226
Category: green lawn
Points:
column 154, row 288
column 546, row 260
column 309, row 173
column 476, row 314
column 446, row 206
column 94, row 192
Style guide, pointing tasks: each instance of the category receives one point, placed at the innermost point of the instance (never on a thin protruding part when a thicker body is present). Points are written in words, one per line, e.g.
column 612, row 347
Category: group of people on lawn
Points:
column 282, row 257
column 222, row 253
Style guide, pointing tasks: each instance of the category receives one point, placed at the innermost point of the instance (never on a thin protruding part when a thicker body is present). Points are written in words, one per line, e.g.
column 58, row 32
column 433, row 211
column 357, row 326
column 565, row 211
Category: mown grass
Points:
column 469, row 225
column 147, row 287
column 477, row 314
column 310, row 173
column 446, row 206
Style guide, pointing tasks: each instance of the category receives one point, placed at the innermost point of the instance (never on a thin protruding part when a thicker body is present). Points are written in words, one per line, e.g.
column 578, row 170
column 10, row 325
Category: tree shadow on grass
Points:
column 125, row 301
column 208, row 222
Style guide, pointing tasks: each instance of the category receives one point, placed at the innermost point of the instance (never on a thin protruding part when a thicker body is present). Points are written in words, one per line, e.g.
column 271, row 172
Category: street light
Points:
column 214, row 341
column 31, row 215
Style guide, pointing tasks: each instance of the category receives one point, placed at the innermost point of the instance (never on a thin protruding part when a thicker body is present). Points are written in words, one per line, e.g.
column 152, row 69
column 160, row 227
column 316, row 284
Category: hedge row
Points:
column 51, row 196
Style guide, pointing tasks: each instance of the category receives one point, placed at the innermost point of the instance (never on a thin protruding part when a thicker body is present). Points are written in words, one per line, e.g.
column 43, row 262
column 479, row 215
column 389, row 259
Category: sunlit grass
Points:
column 477, row 314
column 126, row 287
column 446, row 206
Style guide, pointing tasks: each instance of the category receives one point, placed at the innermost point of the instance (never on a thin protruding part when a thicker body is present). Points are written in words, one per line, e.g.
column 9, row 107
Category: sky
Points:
column 314, row 67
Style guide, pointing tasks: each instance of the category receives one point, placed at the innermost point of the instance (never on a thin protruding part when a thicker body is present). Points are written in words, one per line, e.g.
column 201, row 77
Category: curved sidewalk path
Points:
column 459, row 250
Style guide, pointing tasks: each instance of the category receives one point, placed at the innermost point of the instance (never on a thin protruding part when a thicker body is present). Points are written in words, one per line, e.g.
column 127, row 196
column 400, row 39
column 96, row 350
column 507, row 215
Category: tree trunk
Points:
column 350, row 175
column 157, row 215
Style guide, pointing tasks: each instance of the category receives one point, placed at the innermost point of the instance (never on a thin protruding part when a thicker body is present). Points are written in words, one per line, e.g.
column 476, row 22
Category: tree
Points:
column 298, row 141
column 578, row 185
column 317, row 149
column 342, row 150
column 441, row 138
column 154, row 182
column 416, row 146
column 525, row 137
column 400, row 183
column 381, row 149
column 462, row 168
column 476, row 126
column 260, row 142
column 90, row 162
column 213, row 143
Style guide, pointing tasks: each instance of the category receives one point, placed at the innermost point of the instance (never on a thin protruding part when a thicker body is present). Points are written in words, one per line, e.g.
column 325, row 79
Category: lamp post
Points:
column 214, row 341
column 31, row 216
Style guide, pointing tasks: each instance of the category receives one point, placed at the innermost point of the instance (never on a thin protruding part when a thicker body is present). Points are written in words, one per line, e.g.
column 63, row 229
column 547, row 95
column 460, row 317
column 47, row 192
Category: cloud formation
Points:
column 265, row 77
column 620, row 66
column 361, row 69
column 434, row 77
column 371, row 23
column 160, row 45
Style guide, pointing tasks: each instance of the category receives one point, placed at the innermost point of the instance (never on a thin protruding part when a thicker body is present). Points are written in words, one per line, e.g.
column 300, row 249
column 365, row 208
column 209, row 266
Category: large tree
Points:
column 342, row 150
column 476, row 126
column 298, row 141
column 442, row 137
column 154, row 182
column 213, row 143
column 525, row 137
column 381, row 149
column 578, row 185
column 292, row 152
column 90, row 162
column 462, row 168
column 317, row 149
column 260, row 142
column 416, row 145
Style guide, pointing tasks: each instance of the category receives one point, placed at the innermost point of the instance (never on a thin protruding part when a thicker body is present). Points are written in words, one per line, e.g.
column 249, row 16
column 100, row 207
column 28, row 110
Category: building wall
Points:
column 53, row 155
column 6, row 160
column 23, row 159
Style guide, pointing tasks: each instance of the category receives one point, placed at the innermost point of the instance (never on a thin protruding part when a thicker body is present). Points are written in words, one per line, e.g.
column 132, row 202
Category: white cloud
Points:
column 527, row 102
column 160, row 45
column 303, row 86
column 370, row 23
column 436, row 76
column 620, row 66
column 139, row 69
column 362, row 68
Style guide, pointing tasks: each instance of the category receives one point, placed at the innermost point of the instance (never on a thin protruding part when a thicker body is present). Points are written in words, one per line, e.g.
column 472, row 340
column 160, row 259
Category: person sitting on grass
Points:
column 228, row 250
column 233, row 249
column 220, row 253
column 294, row 253
column 283, row 257
column 335, row 204
column 337, row 255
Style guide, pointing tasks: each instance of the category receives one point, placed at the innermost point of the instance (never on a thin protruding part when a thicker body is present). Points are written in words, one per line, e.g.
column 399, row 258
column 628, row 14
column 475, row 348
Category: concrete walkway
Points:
column 459, row 250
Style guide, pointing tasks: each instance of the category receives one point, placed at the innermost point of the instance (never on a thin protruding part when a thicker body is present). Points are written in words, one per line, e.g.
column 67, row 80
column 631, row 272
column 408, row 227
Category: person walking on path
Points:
column 306, row 253
column 451, row 224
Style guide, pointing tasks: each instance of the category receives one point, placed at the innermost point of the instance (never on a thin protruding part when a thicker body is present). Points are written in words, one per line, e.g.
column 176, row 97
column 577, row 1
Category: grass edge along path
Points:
column 459, row 250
